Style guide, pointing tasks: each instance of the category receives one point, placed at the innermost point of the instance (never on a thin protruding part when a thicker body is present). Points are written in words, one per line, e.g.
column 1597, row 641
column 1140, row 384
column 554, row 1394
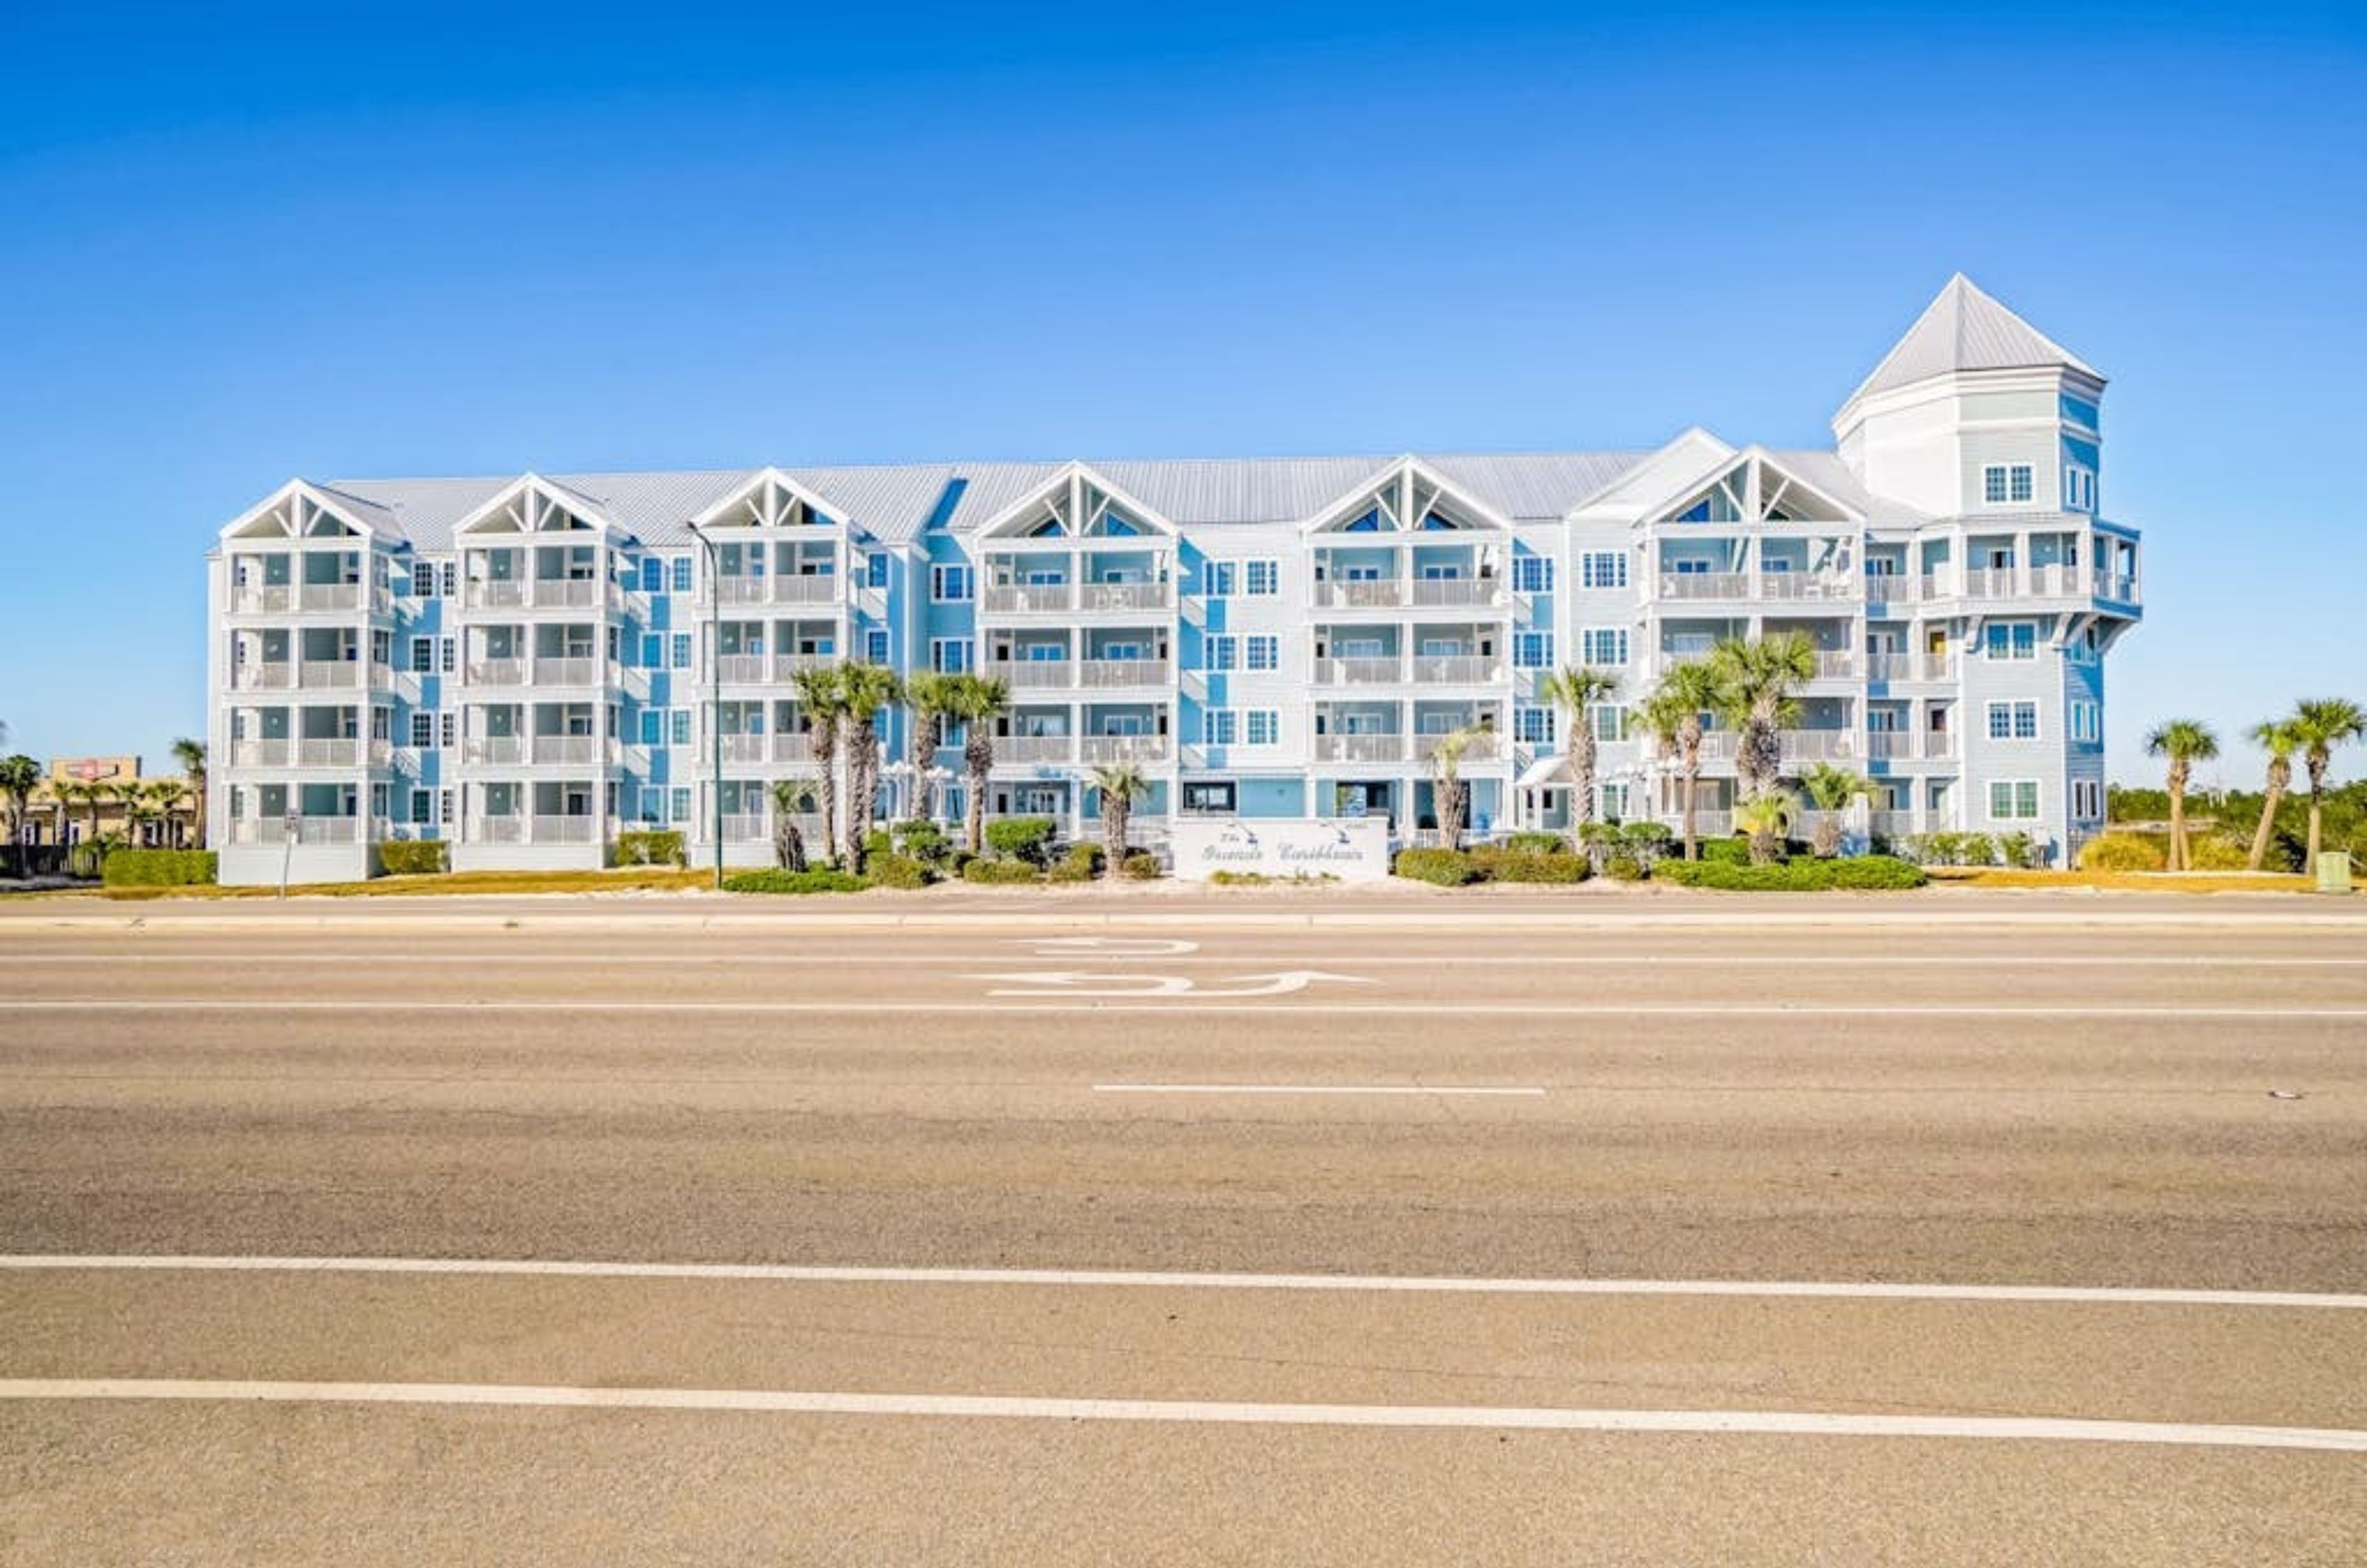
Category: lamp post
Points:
column 714, row 692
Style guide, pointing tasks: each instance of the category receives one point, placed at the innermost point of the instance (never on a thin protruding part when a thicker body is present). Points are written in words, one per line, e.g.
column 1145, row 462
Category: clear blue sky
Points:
column 237, row 247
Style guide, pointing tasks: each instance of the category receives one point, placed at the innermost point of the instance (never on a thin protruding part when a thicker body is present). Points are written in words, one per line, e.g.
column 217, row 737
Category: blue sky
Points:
column 241, row 244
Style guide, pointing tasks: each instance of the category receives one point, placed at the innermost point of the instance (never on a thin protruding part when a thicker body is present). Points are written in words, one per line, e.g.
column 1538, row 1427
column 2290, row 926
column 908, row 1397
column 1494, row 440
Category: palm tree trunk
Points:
column 2317, row 818
column 928, row 734
column 2268, row 823
column 825, row 756
column 1113, row 821
column 2178, row 825
column 1692, row 781
column 1582, row 760
column 862, row 789
column 978, row 762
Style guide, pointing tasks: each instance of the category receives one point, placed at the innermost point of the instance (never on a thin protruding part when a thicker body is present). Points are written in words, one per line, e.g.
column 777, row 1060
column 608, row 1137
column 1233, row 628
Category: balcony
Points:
column 563, row 829
column 1797, row 587
column 319, row 674
column 741, row 748
column 329, row 753
column 1888, row 667
column 277, row 675
column 1485, row 747
column 1105, row 750
column 262, row 598
column 1030, row 749
column 309, row 830
column 742, row 669
column 580, row 750
column 1119, row 597
column 2118, row 587
column 261, row 753
column 496, row 671
column 1819, row 745
column 1360, row 594
column 1104, row 673
column 1457, row 593
column 498, row 751
column 319, row 596
column 1360, row 670
column 1457, row 669
column 1360, row 748
column 576, row 670
column 793, row 748
column 538, row 593
column 1032, row 599
column 1034, row 675
column 791, row 589
column 1704, row 585
column 1837, row 666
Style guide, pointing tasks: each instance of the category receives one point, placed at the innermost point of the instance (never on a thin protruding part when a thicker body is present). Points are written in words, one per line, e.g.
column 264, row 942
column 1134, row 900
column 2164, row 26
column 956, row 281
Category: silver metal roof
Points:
column 1964, row 329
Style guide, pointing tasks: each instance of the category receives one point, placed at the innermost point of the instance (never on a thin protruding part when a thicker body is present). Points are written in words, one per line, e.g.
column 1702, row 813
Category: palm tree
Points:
column 1673, row 715
column 19, row 776
column 2184, row 741
column 1120, row 787
column 1450, row 794
column 975, row 702
column 822, row 694
column 791, row 798
column 1575, row 689
column 1832, row 787
column 1766, row 819
column 2279, row 739
column 866, row 689
column 1757, row 678
column 2321, row 723
column 191, row 755
column 927, row 693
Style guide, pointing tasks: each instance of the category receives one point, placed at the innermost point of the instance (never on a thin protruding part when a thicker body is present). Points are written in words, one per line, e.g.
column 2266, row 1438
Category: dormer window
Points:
column 2079, row 489
column 2008, row 484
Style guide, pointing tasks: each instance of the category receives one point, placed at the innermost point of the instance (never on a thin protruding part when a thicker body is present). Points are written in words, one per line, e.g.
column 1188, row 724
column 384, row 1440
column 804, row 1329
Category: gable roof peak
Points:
column 1962, row 329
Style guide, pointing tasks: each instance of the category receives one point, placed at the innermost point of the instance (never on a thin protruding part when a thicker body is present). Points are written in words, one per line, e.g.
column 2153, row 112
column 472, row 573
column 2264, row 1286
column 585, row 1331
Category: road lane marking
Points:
column 1105, row 946
column 1753, row 1423
column 1066, row 983
column 1417, row 1284
column 397, row 1007
column 1305, row 1089
column 1639, row 962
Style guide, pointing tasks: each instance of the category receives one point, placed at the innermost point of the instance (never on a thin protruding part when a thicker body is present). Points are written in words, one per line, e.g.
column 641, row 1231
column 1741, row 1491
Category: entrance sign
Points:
column 1350, row 849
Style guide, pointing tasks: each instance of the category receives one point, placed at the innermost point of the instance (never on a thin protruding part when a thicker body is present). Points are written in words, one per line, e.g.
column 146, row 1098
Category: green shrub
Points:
column 158, row 868
column 2020, row 850
column 1558, row 865
column 1537, row 843
column 414, row 857
column 923, row 840
column 984, row 870
column 1624, row 865
column 1726, row 852
column 1081, row 864
column 1026, row 839
column 1977, row 849
column 650, row 846
column 1444, row 868
column 2122, row 851
column 2214, row 852
column 1142, row 866
column 773, row 880
column 900, row 871
column 1659, row 834
column 1861, row 873
column 879, row 841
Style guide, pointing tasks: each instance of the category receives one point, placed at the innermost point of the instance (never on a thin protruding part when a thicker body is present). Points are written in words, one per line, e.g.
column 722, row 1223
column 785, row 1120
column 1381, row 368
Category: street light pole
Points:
column 714, row 692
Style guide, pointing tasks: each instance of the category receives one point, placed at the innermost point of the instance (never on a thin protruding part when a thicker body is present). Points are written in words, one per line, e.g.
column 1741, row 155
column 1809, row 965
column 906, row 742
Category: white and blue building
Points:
column 527, row 665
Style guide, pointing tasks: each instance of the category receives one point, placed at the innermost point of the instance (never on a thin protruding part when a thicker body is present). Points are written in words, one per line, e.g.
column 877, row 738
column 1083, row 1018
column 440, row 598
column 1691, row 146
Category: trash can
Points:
column 2333, row 871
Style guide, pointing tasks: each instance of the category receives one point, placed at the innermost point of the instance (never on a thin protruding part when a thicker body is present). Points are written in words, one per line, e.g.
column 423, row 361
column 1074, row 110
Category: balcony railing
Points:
column 495, row 749
column 1456, row 668
column 1910, row 667
column 743, row 669
column 1704, row 585
column 564, row 830
column 1104, row 750
column 793, row 746
column 331, row 673
column 262, row 598
column 1360, row 594
column 1034, row 675
column 1457, row 593
column 1031, row 598
column 741, row 747
column 786, row 666
column 496, row 671
column 745, row 828
column 1362, row 670
column 2118, row 587
column 329, row 596
column 1123, row 596
column 541, row 592
column 498, row 830
column 575, row 748
column 277, row 675
column 1819, row 745
column 1036, row 748
column 568, row 670
column 261, row 753
column 335, row 753
column 1809, row 585
column 1837, row 666
column 1360, row 748
column 788, row 588
column 1485, row 747
column 1126, row 672
column 309, row 830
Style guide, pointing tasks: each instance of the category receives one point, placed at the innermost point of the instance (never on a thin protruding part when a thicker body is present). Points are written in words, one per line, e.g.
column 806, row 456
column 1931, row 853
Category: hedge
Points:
column 1443, row 868
column 158, row 868
column 1865, row 873
column 652, row 846
column 1001, row 870
column 2122, row 851
column 414, row 857
column 1022, row 838
column 900, row 871
column 1518, row 864
column 773, row 880
column 1142, row 866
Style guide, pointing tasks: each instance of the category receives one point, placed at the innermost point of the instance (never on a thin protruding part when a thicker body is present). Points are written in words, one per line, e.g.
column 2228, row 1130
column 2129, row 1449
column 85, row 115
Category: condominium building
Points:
column 527, row 665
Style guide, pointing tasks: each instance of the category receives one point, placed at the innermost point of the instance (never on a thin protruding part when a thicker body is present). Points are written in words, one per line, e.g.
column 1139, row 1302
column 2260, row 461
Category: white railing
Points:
column 260, row 753
column 1456, row 592
column 780, row 588
column 1033, row 599
column 1108, row 748
column 1933, row 585
column 566, row 593
column 1910, row 667
column 1360, row 594
column 1890, row 744
column 497, row 830
column 261, row 598
column 329, row 596
column 1936, row 744
column 495, row 592
column 786, row 666
column 1836, row 665
column 277, row 675
column 1798, row 585
column 793, row 746
column 1121, row 596
column 741, row 747
column 1818, row 745
column 309, row 830
column 2119, row 587
column 1483, row 746
column 2057, row 582
column 496, row 671
column 1890, row 823
column 333, row 753
column 1992, row 583
column 1036, row 748
column 1360, row 748
column 1882, row 587
column 577, row 749
column 1034, row 675
column 745, row 828
column 1127, row 673
column 1704, row 585
column 742, row 668
column 1456, row 668
column 1362, row 670
column 493, row 749
column 330, row 673
column 564, row 830
column 1707, row 824
column 567, row 670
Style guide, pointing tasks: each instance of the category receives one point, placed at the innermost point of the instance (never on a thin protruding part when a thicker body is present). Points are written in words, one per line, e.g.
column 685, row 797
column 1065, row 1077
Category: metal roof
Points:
column 1964, row 329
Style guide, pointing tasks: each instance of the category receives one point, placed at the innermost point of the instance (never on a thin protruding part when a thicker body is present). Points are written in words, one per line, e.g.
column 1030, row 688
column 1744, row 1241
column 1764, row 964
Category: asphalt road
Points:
column 1871, row 1231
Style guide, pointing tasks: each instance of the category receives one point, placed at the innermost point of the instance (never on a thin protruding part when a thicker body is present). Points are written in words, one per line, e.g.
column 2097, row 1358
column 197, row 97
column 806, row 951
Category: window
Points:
column 447, row 729
column 682, row 651
column 2087, row 799
column 1611, row 802
column 1264, row 652
column 652, row 651
column 1532, row 574
column 2013, row 800
column 2079, row 489
column 1534, row 727
column 681, row 806
column 653, row 727
column 1263, row 727
column 422, row 653
column 949, row 655
column 1224, row 652
column 1221, row 576
column 875, row 643
column 1610, row 721
column 2086, row 722
column 447, row 655
column 2007, row 484
column 682, row 574
column 1533, row 651
column 2011, row 639
column 422, row 579
column 681, row 722
column 1214, row 794
column 654, row 575
column 1603, row 645
column 422, row 807
column 1605, row 569
column 443, row 798
column 875, row 569
column 1220, row 726
column 1263, row 579
column 423, row 730
column 2013, row 721
column 952, row 584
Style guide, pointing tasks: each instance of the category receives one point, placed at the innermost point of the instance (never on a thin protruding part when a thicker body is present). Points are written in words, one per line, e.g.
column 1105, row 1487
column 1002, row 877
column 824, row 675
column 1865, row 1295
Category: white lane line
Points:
column 1775, row 1423
column 1306, row 1089
column 401, row 1006
column 1625, row 961
column 1445, row 1284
